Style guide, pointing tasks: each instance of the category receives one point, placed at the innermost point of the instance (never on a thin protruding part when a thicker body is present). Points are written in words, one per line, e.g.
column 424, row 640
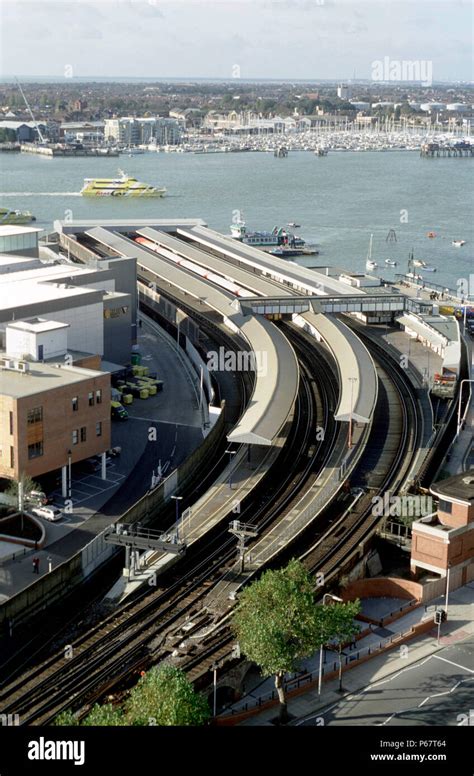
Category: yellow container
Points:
column 446, row 309
column 136, row 369
column 152, row 390
column 144, row 393
column 127, row 398
column 145, row 370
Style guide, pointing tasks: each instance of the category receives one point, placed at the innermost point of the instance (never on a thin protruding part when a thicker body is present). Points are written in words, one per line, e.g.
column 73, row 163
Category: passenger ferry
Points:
column 278, row 236
column 123, row 186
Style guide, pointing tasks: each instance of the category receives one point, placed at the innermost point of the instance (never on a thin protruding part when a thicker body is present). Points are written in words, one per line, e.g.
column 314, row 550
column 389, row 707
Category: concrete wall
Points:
column 117, row 329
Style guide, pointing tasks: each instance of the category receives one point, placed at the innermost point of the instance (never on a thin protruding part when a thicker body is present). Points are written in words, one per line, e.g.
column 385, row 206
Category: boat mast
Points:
column 369, row 255
column 30, row 112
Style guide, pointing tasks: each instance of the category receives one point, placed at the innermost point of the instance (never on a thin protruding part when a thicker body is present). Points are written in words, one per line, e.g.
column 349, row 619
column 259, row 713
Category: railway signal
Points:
column 243, row 531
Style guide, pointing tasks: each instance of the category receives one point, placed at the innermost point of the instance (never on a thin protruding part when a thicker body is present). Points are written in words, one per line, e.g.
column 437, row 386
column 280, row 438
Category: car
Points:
column 38, row 497
column 52, row 513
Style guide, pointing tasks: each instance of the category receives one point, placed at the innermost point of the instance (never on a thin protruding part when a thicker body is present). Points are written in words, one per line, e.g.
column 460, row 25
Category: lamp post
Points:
column 349, row 440
column 69, row 454
column 231, row 453
column 177, row 499
column 320, row 677
column 466, row 380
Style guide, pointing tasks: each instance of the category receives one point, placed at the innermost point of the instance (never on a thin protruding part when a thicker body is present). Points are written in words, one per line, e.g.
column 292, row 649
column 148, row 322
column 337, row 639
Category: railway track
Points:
column 133, row 637
column 145, row 631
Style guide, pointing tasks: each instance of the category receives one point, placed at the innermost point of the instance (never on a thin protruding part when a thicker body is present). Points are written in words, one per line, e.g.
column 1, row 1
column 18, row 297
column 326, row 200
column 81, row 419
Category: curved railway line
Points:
column 149, row 627
column 121, row 644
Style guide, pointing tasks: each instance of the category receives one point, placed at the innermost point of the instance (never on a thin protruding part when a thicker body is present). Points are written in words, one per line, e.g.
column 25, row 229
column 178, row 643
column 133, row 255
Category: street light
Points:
column 177, row 499
column 69, row 454
column 466, row 380
column 231, row 453
column 349, row 441
column 320, row 677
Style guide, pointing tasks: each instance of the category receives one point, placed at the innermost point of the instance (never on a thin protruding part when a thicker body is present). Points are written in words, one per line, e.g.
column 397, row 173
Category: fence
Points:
column 330, row 669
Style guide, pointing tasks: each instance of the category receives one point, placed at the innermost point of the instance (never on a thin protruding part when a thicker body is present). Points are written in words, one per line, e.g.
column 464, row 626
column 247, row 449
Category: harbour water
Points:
column 339, row 200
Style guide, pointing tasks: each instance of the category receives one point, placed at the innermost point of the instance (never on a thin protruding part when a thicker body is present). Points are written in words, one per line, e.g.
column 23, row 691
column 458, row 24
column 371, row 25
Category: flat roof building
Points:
column 50, row 413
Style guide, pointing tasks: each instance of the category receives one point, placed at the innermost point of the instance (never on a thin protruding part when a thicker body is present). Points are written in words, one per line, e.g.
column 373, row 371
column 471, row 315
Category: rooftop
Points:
column 8, row 230
column 457, row 488
column 42, row 377
column 37, row 325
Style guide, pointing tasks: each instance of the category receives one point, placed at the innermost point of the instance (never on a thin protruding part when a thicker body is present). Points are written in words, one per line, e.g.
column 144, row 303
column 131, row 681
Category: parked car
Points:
column 38, row 497
column 52, row 513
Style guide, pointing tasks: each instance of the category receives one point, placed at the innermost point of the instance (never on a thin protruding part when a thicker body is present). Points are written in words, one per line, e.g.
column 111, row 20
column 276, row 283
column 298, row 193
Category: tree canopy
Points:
column 164, row 696
column 277, row 622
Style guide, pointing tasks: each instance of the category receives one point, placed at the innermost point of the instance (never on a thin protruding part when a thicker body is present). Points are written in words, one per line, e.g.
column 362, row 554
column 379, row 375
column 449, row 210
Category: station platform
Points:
column 224, row 498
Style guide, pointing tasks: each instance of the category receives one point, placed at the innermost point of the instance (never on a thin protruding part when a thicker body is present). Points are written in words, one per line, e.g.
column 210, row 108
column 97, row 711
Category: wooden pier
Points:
column 445, row 149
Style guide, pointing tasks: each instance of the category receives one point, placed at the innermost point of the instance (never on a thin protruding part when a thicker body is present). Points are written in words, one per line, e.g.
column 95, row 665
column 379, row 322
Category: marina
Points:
column 338, row 201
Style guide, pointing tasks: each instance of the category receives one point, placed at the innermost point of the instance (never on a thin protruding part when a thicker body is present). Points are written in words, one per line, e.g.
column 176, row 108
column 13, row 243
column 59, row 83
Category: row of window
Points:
column 91, row 399
column 35, row 450
column 81, row 433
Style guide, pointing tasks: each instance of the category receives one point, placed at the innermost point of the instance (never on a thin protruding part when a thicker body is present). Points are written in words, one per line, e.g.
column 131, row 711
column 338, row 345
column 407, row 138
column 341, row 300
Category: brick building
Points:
column 446, row 540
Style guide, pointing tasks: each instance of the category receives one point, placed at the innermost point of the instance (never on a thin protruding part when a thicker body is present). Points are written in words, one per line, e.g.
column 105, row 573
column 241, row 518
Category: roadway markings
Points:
column 457, row 665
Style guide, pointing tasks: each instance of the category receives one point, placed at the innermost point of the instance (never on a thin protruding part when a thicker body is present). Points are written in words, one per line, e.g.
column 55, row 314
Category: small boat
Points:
column 429, row 269
column 295, row 226
column 390, row 262
column 431, row 234
column 458, row 243
column 370, row 264
column 15, row 216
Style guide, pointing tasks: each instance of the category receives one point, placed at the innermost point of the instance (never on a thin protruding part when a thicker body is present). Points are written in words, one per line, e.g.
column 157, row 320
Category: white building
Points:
column 344, row 92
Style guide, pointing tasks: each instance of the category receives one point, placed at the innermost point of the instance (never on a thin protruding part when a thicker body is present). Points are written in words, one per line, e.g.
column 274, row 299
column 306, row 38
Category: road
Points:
column 437, row 690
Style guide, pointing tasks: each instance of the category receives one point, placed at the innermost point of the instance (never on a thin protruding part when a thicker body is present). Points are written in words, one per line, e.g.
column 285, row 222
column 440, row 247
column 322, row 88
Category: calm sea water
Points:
column 339, row 200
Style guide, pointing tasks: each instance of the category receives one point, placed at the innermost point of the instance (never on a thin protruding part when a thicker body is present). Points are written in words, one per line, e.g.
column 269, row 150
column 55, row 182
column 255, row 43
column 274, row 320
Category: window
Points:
column 445, row 506
column 83, row 434
column 98, row 396
column 35, row 415
column 91, row 398
column 98, row 428
column 12, row 457
column 75, row 436
column 35, row 450
column 75, row 403
column 11, row 423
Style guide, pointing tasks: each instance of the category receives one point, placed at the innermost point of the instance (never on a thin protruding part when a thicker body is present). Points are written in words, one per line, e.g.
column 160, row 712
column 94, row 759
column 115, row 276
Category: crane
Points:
column 40, row 134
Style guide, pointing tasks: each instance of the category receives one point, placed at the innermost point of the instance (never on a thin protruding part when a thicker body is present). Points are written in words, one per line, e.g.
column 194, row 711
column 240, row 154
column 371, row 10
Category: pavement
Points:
column 400, row 681
column 175, row 414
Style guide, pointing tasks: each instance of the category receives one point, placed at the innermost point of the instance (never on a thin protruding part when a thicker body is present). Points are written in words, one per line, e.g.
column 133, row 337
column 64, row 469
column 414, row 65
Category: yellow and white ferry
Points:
column 122, row 186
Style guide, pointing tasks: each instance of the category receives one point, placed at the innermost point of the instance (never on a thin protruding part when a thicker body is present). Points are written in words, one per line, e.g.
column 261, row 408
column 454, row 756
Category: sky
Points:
column 300, row 39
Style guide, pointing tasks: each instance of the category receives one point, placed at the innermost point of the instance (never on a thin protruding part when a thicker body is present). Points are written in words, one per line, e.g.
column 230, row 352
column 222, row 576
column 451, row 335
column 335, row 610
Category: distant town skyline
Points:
column 231, row 39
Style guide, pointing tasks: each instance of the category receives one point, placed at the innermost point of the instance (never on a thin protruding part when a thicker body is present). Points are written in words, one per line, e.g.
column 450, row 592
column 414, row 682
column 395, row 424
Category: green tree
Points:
column 66, row 719
column 164, row 696
column 340, row 623
column 277, row 623
column 104, row 716
column 28, row 485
